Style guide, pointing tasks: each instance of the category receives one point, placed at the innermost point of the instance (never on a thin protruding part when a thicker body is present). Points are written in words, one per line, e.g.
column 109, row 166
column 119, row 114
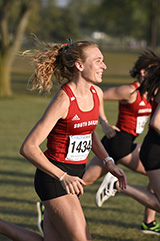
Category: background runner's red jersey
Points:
column 132, row 117
column 77, row 122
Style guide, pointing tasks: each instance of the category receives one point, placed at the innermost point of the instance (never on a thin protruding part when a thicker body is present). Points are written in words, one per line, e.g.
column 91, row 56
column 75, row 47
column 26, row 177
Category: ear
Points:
column 79, row 65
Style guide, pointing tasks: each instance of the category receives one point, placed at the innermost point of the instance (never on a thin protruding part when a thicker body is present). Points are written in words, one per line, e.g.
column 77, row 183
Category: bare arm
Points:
column 121, row 93
column 109, row 130
column 30, row 148
column 58, row 108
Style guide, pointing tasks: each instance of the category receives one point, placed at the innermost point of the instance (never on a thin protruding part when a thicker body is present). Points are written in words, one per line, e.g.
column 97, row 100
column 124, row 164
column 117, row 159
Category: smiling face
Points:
column 93, row 66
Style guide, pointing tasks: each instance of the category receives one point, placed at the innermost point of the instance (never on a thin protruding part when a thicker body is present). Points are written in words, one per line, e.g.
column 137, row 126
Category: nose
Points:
column 104, row 66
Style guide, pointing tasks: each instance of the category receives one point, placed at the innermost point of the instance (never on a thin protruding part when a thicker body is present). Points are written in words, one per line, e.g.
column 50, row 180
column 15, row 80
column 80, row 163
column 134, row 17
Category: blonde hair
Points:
column 58, row 60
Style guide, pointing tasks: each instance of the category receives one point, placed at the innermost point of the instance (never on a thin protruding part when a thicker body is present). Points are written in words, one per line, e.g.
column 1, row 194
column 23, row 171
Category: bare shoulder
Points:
column 128, row 89
column 61, row 96
column 60, row 103
column 127, row 92
column 99, row 91
column 120, row 93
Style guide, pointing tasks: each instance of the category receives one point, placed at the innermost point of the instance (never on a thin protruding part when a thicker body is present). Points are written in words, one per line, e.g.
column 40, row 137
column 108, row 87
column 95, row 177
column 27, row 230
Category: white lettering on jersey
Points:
column 145, row 110
column 89, row 123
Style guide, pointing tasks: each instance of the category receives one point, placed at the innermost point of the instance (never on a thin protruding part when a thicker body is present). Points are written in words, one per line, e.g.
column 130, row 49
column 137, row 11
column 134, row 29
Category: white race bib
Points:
column 141, row 121
column 79, row 147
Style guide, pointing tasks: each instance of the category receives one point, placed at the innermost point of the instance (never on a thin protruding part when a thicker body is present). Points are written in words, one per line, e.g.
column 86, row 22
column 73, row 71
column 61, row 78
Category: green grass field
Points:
column 120, row 217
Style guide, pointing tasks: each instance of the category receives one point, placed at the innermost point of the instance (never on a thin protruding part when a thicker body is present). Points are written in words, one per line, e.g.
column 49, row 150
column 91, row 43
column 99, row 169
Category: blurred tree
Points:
column 57, row 25
column 78, row 19
column 14, row 17
column 85, row 15
column 124, row 18
column 118, row 18
column 130, row 18
column 34, row 23
column 154, row 28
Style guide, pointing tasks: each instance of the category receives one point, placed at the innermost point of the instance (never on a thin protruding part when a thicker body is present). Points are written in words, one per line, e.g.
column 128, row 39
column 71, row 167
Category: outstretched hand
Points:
column 73, row 184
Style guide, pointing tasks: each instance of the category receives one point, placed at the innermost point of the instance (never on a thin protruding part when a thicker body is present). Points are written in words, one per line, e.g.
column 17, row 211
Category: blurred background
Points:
column 123, row 29
column 116, row 25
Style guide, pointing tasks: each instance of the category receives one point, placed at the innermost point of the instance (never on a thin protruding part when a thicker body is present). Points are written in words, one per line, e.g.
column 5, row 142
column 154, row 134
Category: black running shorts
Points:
column 48, row 187
column 120, row 145
column 150, row 151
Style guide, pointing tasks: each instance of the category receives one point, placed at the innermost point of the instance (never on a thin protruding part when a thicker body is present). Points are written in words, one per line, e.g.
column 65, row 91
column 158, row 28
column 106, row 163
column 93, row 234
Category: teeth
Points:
column 99, row 73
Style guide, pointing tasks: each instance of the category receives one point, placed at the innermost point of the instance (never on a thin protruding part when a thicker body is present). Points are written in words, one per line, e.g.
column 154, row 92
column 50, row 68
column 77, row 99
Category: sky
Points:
column 62, row 2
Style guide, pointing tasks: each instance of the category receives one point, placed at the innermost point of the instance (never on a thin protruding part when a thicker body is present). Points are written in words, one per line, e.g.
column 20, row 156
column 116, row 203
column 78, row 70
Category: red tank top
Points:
column 132, row 117
column 71, row 139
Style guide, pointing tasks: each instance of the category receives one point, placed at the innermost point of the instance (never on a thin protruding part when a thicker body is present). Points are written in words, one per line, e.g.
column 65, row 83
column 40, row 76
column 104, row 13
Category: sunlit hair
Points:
column 144, row 61
column 58, row 60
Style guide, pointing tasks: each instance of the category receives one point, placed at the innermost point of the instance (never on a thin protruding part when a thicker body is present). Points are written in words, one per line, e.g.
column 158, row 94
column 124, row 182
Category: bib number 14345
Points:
column 79, row 147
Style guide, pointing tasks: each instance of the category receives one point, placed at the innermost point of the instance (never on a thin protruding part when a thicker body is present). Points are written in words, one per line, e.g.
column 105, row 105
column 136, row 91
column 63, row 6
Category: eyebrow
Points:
column 99, row 58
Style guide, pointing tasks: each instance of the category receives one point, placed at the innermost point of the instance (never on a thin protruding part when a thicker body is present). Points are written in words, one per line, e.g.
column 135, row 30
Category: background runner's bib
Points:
column 141, row 121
